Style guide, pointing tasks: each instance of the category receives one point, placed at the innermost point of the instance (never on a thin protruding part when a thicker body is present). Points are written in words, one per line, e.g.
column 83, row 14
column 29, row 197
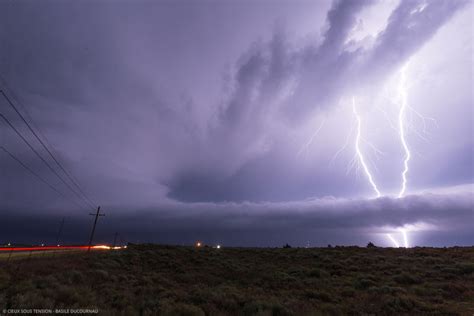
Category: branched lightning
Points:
column 401, row 126
column 358, row 151
column 402, row 90
column 346, row 143
column 311, row 139
column 404, row 117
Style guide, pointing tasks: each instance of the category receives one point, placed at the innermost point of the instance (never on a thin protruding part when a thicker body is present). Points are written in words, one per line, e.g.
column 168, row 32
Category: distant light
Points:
column 42, row 245
column 59, row 245
column 9, row 244
column 101, row 247
column 218, row 247
column 198, row 244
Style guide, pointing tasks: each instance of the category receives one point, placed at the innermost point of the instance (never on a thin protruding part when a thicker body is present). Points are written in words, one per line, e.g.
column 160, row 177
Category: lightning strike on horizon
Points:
column 401, row 126
column 359, row 159
column 405, row 237
column 358, row 151
column 397, row 245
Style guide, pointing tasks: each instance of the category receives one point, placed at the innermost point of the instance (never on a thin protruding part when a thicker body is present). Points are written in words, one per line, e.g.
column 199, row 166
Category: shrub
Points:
column 319, row 295
column 100, row 275
column 297, row 271
column 406, row 279
column 256, row 308
column 315, row 273
column 385, row 289
column 181, row 309
column 31, row 300
column 74, row 276
column 363, row 283
column 227, row 297
column 4, row 279
column 46, row 282
column 399, row 304
column 465, row 268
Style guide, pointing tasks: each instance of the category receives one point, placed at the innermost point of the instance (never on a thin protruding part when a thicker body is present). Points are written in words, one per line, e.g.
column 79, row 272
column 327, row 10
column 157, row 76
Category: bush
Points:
column 75, row 277
column 182, row 309
column 319, row 295
column 227, row 297
column 99, row 275
column 315, row 273
column 4, row 279
column 406, row 279
column 465, row 268
column 399, row 304
column 256, row 308
column 363, row 283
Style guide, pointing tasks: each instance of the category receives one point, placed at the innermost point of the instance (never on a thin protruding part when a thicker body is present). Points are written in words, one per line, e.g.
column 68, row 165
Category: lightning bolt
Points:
column 306, row 146
column 393, row 240
column 402, row 90
column 360, row 161
column 405, row 237
column 402, row 121
column 358, row 151
column 346, row 143
column 401, row 125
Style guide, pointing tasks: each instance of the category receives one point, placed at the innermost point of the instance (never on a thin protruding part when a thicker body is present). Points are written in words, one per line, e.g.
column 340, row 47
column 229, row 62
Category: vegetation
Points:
column 165, row 280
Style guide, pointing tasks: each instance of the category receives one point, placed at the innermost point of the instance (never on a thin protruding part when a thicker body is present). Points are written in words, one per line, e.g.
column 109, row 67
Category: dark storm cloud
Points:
column 330, row 212
column 335, row 69
column 410, row 25
column 346, row 221
column 341, row 19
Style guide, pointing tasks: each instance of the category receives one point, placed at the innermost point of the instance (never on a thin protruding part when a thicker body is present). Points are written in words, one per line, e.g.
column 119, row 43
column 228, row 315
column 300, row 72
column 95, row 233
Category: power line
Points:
column 42, row 159
column 38, row 176
column 46, row 148
column 13, row 96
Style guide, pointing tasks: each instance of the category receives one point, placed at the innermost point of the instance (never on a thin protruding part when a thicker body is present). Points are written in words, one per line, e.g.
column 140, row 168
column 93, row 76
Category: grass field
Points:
column 151, row 279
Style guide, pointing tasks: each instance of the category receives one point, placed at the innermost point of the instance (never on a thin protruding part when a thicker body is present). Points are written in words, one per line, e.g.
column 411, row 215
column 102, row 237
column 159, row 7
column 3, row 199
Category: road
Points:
column 21, row 252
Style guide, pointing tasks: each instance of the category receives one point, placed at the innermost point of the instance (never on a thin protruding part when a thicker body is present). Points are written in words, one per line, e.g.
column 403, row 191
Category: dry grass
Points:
column 150, row 279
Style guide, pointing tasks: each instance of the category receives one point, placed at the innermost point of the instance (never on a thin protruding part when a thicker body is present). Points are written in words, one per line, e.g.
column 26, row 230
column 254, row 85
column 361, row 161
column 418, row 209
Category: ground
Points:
column 169, row 280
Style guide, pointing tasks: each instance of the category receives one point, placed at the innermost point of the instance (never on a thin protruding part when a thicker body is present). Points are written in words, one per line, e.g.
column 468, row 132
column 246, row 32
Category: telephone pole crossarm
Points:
column 97, row 214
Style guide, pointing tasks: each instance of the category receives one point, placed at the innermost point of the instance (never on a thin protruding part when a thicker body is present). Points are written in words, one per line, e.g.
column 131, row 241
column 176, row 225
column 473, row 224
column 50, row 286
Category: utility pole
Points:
column 93, row 227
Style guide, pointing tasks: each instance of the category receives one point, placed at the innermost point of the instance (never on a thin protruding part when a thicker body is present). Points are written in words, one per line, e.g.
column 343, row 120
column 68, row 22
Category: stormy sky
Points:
column 235, row 122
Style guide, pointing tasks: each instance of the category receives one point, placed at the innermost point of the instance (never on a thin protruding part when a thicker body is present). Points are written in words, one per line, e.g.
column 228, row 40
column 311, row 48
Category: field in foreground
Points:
column 151, row 279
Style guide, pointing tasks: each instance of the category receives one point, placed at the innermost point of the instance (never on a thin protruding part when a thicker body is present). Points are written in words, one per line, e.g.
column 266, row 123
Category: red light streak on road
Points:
column 40, row 248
